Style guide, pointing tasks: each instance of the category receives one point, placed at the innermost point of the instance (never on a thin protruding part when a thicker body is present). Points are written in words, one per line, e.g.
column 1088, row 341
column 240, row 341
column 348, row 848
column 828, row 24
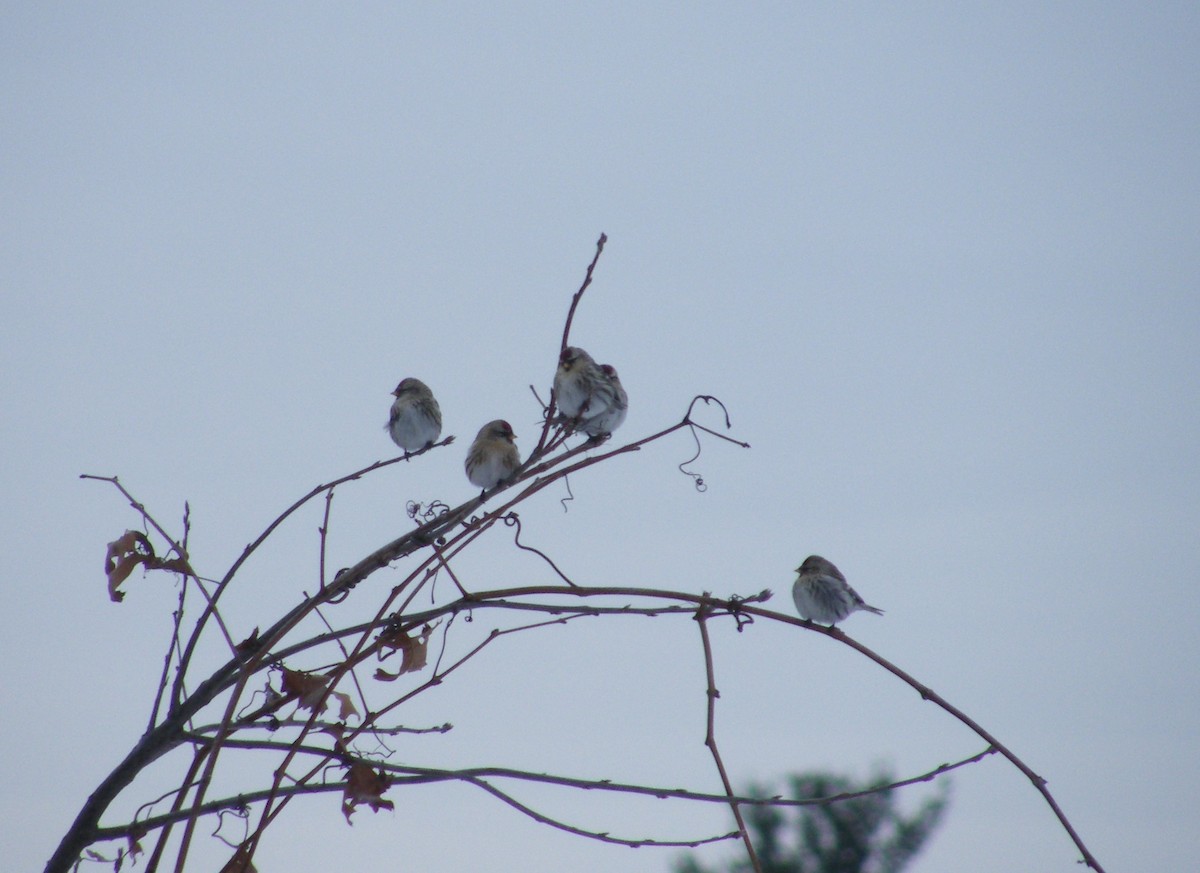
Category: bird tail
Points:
column 872, row 609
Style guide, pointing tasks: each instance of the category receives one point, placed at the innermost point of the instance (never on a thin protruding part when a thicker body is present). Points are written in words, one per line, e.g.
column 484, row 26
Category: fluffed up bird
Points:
column 822, row 593
column 416, row 419
column 611, row 402
column 576, row 381
column 493, row 456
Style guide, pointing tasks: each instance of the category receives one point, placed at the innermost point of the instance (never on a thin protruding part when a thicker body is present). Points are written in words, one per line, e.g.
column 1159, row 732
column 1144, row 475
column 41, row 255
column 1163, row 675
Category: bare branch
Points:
column 593, row 835
column 551, row 406
column 587, row 280
column 270, row 529
column 310, row 745
column 710, row 739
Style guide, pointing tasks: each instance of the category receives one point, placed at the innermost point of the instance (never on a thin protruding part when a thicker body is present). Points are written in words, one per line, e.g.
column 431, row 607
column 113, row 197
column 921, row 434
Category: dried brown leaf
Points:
column 307, row 688
column 414, row 651
column 125, row 553
column 364, row 785
column 347, row 705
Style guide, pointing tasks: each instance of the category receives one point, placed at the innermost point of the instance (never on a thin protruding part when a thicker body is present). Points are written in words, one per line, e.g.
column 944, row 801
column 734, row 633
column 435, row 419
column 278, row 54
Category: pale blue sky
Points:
column 940, row 261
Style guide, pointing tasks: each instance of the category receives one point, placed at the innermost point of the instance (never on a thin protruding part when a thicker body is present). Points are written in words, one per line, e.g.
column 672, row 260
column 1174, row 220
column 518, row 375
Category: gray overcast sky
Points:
column 940, row 261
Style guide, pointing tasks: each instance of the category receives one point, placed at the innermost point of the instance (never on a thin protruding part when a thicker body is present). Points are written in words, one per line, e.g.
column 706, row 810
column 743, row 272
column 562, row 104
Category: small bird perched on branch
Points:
column 822, row 593
column 416, row 419
column 589, row 395
column 493, row 456
column 613, row 403
column 576, row 381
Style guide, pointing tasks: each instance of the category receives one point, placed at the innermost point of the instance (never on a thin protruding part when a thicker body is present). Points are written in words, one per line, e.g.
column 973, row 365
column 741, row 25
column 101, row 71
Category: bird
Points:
column 822, row 593
column 416, row 418
column 493, row 456
column 576, row 381
column 613, row 405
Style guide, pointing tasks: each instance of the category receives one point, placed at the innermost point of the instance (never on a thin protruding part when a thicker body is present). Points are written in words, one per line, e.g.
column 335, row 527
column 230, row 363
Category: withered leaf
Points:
column 413, row 649
column 125, row 553
column 307, row 688
column 364, row 785
column 347, row 705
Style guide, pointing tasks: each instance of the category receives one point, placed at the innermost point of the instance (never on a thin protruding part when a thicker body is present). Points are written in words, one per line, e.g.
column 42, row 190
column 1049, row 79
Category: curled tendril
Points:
column 570, row 494
column 708, row 399
column 341, row 595
column 697, row 479
column 423, row 513
column 241, row 812
column 735, row 610
column 514, row 520
column 695, row 426
column 269, row 696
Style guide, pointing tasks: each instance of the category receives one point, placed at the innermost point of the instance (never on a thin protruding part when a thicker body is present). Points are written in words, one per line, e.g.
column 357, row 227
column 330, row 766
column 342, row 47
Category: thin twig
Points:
column 402, row 774
column 587, row 280
column 710, row 738
column 194, row 639
column 575, row 298
column 592, row 835
column 160, row 844
column 173, row 649
column 445, row 535
column 323, row 531
column 445, row 565
column 175, row 547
